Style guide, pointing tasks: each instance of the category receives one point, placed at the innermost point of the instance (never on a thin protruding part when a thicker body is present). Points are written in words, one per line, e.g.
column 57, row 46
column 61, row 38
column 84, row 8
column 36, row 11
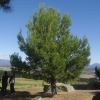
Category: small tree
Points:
column 17, row 64
column 51, row 47
column 97, row 72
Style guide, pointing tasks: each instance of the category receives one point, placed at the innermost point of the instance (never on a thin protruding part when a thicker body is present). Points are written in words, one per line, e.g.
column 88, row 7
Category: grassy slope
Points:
column 23, row 83
column 31, row 86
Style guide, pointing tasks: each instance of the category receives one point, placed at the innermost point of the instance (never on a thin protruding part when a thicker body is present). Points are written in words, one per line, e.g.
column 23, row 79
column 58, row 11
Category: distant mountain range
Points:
column 94, row 65
column 4, row 63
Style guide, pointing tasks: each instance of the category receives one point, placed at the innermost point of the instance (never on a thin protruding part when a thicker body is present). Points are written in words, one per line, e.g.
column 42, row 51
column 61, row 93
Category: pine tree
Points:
column 51, row 47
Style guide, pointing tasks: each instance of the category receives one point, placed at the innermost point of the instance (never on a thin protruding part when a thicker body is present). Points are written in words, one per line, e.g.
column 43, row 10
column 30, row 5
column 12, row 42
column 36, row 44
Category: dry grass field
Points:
column 27, row 89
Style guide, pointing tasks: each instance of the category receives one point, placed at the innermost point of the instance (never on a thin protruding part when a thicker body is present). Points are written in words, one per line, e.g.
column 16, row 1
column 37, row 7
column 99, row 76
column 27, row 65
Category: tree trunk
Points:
column 53, row 86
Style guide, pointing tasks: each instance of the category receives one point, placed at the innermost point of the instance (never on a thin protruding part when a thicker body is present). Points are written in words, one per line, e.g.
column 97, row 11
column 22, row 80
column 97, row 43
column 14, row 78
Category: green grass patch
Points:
column 23, row 83
column 27, row 83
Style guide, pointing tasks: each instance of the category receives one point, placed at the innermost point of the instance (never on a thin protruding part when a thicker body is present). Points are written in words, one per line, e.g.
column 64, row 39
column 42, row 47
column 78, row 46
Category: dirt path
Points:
column 32, row 92
column 72, row 96
column 75, row 95
column 87, row 91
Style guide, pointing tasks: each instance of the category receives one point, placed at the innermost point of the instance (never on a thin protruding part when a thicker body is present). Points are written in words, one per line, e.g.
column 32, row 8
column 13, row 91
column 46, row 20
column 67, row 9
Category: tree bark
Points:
column 53, row 86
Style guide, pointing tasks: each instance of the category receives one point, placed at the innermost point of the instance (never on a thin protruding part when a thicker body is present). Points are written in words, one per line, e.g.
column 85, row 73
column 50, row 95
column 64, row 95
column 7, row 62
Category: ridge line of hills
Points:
column 6, row 63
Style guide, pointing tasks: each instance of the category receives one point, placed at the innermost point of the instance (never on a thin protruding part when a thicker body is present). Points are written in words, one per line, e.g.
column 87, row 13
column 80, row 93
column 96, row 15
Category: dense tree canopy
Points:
column 51, row 47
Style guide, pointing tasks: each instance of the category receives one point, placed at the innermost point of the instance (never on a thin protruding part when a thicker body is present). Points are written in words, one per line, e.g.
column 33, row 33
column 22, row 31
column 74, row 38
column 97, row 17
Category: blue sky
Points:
column 84, row 14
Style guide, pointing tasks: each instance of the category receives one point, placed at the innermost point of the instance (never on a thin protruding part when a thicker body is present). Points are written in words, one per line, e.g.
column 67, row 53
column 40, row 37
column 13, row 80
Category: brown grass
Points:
column 29, row 92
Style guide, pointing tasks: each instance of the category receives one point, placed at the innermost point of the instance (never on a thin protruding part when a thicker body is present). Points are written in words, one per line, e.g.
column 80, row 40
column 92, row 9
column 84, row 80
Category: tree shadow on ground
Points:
column 96, row 96
column 23, row 95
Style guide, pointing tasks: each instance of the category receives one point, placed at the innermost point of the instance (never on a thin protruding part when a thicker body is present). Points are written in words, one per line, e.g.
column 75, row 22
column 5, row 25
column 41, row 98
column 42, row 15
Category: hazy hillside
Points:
column 94, row 65
column 88, row 72
column 4, row 63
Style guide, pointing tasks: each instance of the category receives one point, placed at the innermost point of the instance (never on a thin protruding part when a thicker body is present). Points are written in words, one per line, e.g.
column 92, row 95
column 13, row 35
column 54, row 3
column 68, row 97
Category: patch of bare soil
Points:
column 71, row 96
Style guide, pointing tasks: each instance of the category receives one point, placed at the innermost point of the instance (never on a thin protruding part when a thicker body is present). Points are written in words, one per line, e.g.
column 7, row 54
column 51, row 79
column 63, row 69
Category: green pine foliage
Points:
column 52, row 48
